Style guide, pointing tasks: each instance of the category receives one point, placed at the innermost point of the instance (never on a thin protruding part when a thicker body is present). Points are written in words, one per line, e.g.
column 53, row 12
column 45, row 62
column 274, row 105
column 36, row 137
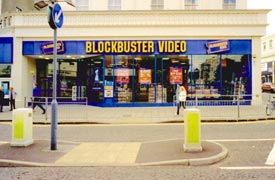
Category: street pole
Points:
column 54, row 102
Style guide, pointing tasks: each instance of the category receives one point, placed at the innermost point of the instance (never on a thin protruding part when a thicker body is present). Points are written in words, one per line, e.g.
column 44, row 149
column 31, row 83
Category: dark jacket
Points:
column 2, row 96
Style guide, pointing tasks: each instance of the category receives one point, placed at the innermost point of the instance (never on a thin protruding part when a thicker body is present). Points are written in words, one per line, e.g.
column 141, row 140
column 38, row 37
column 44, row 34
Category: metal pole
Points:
column 54, row 102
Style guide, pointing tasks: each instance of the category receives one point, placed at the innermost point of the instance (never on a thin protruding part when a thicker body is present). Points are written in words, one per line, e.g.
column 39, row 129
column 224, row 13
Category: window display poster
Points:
column 108, row 89
column 145, row 76
column 122, row 75
column 5, row 70
column 175, row 75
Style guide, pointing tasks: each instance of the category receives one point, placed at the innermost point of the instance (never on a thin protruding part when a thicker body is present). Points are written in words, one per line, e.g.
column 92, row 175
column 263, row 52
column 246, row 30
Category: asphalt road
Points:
column 249, row 145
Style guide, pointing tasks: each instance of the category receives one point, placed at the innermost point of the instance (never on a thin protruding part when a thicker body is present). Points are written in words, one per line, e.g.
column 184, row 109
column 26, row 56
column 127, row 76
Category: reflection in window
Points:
column 235, row 70
column 82, row 5
column 157, row 4
column 5, row 70
column 204, row 76
column 191, row 4
column 229, row 4
column 114, row 4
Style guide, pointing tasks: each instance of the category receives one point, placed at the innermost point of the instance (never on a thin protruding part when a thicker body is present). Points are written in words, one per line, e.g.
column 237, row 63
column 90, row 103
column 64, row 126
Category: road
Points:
column 249, row 145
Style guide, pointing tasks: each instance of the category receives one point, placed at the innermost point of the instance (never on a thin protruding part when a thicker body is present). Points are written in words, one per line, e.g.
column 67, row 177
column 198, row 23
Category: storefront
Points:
column 6, row 60
column 144, row 72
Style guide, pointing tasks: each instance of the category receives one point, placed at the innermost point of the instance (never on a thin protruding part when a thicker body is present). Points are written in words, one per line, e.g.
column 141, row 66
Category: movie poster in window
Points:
column 122, row 75
column 175, row 75
column 145, row 76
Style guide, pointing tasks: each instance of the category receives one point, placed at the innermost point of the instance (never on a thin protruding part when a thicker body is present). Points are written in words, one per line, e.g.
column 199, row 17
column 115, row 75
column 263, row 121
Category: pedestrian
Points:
column 1, row 99
column 13, row 95
column 181, row 99
column 36, row 93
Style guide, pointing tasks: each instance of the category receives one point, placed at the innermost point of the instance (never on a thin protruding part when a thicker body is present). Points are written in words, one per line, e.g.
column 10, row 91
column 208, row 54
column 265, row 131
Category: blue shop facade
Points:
column 144, row 72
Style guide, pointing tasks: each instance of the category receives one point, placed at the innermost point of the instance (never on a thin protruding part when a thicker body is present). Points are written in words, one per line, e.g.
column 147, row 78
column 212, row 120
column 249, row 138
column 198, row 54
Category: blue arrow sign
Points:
column 57, row 15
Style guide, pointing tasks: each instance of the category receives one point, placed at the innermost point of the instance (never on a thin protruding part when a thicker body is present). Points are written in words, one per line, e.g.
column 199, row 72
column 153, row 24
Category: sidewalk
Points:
column 93, row 114
column 166, row 152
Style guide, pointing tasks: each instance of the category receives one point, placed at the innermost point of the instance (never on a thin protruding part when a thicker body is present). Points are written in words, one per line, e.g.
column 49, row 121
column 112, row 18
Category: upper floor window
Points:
column 191, row 4
column 157, row 4
column 229, row 4
column 114, row 4
column 82, row 5
column 270, row 44
column 264, row 46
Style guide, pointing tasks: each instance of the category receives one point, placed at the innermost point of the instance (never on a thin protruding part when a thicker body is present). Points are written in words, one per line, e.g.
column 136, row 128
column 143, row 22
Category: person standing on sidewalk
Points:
column 13, row 95
column 36, row 93
column 1, row 99
column 181, row 99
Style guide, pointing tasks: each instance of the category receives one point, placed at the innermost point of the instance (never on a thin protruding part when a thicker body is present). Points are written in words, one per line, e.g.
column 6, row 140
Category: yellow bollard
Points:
column 22, row 119
column 192, row 131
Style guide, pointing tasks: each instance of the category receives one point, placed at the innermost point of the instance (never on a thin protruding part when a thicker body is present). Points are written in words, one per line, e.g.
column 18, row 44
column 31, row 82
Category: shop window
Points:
column 205, row 78
column 175, row 71
column 95, row 79
column 229, row 4
column 157, row 4
column 5, row 70
column 144, row 79
column 191, row 4
column 235, row 73
column 123, row 77
column 114, row 4
column 82, row 5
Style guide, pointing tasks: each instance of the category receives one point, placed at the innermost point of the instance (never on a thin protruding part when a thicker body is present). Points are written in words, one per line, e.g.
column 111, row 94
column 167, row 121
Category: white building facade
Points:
column 268, row 59
column 136, row 52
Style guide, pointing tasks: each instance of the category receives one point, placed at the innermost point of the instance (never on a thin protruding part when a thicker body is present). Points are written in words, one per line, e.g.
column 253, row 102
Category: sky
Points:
column 265, row 4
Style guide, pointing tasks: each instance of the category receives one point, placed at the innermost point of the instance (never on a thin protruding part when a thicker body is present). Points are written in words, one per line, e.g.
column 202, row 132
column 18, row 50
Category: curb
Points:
column 185, row 162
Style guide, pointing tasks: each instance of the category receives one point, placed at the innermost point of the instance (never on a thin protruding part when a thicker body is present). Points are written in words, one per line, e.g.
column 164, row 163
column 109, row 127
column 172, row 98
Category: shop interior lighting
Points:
column 166, row 58
column 138, row 58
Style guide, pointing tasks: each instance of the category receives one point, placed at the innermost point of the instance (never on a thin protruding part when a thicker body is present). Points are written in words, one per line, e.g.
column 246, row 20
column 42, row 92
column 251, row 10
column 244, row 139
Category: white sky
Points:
column 265, row 4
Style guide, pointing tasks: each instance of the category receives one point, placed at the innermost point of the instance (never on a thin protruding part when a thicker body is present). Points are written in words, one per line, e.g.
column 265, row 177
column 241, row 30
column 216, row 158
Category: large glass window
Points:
column 144, row 78
column 114, row 4
column 229, row 4
column 191, row 4
column 205, row 78
column 175, row 72
column 157, row 4
column 235, row 72
column 123, row 78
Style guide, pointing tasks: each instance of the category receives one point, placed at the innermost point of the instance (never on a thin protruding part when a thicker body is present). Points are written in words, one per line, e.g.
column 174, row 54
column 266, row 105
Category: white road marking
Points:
column 248, row 168
column 240, row 140
column 271, row 157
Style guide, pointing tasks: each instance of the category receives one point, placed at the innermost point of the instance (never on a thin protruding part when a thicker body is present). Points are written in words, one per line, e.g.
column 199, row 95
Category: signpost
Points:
column 55, row 19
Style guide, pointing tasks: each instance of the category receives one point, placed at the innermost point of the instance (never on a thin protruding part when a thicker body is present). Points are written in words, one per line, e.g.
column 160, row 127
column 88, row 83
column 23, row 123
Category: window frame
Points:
column 191, row 4
column 157, row 4
column 229, row 4
column 114, row 5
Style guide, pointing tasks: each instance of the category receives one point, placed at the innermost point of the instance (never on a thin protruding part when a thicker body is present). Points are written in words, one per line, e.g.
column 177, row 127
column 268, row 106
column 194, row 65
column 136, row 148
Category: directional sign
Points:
column 55, row 16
